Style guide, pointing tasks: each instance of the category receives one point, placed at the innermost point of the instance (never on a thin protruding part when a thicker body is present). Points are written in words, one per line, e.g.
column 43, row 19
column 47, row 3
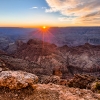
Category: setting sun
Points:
column 44, row 27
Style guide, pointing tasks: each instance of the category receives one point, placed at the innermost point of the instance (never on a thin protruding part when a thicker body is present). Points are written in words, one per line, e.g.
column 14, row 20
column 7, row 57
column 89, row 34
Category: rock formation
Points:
column 17, row 79
column 70, row 60
column 48, row 92
column 82, row 59
column 81, row 81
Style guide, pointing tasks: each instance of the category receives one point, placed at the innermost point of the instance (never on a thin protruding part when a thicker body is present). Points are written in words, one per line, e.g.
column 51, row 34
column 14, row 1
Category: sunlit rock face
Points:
column 17, row 79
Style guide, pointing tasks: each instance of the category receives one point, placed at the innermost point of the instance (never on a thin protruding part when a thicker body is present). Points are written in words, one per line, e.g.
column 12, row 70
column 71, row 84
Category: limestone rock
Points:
column 17, row 79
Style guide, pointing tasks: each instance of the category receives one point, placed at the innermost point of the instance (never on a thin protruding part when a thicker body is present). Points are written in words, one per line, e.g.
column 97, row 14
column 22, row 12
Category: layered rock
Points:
column 24, row 65
column 82, row 59
column 44, row 79
column 56, row 92
column 44, row 54
column 63, row 61
column 17, row 79
column 48, row 92
column 81, row 81
column 49, row 79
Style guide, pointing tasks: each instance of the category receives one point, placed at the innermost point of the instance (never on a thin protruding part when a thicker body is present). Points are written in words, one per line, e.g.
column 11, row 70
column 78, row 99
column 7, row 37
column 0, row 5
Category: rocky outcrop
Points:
column 48, row 92
column 49, row 79
column 17, row 79
column 20, row 64
column 35, row 48
column 81, row 81
column 63, row 61
column 56, row 92
column 82, row 59
column 52, row 79
column 44, row 54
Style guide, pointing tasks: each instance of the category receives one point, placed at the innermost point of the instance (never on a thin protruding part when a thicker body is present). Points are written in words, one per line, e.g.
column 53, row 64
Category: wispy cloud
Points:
column 44, row 7
column 86, row 10
column 34, row 8
column 67, row 19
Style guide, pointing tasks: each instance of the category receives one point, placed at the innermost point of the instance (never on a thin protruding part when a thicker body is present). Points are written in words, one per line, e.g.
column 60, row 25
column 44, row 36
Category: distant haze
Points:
column 71, row 36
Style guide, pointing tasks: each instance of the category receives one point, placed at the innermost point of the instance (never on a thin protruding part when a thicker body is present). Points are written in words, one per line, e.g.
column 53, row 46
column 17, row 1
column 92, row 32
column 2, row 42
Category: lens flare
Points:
column 44, row 27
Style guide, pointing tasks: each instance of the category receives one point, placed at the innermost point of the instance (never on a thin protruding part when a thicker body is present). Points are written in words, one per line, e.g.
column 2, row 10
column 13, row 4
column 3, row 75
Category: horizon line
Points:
column 47, row 26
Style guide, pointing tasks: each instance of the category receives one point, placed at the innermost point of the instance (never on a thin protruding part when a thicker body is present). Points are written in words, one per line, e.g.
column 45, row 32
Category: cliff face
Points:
column 43, row 58
column 44, row 54
column 86, row 58
column 69, row 60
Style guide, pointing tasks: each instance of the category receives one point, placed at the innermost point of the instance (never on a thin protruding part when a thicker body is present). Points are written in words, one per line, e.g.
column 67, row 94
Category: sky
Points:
column 52, row 13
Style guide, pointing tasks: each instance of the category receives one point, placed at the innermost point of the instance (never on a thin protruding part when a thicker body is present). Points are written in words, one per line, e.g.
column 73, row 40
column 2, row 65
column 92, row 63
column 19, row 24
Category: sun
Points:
column 44, row 27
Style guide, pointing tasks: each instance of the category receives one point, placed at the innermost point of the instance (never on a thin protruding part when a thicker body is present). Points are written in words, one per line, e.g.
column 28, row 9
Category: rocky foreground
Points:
column 18, row 85
column 38, row 70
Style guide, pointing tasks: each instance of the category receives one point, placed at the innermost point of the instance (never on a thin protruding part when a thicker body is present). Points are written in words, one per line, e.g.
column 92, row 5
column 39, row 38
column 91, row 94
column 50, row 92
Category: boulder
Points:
column 17, row 79
column 81, row 81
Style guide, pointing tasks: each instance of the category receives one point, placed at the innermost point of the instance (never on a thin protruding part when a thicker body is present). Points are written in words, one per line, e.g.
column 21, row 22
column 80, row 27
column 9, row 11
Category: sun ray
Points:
column 44, row 27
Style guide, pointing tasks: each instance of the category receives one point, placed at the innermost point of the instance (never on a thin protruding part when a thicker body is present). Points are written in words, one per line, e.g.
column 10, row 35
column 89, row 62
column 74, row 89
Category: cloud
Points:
column 67, row 19
column 44, row 7
column 86, row 10
column 34, row 8
column 93, row 17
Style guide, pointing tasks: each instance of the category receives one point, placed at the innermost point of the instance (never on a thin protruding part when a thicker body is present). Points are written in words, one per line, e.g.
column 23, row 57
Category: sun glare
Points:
column 44, row 27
